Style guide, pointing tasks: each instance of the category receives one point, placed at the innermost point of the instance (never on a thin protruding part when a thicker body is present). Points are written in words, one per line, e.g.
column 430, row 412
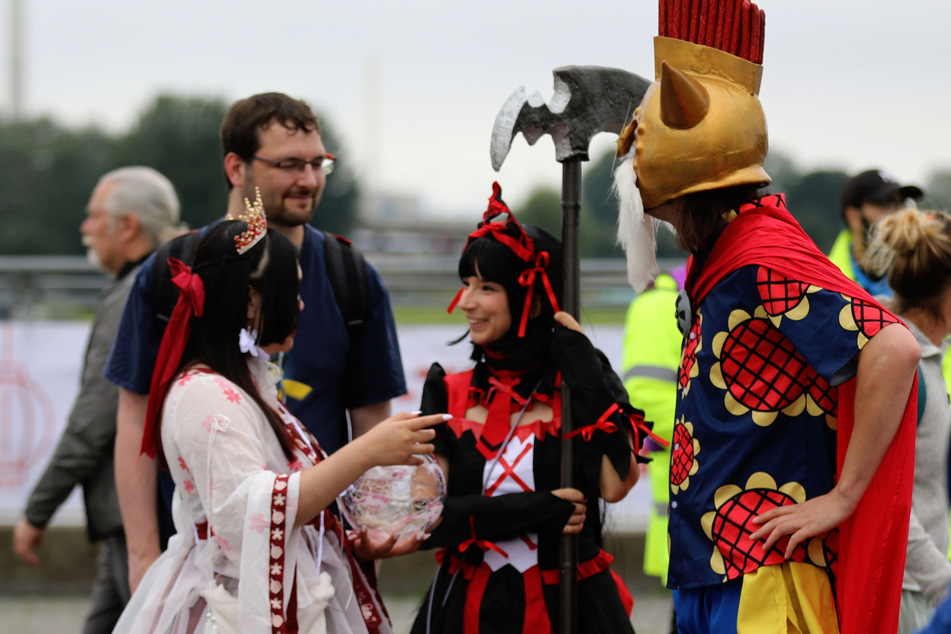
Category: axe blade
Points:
column 587, row 100
column 504, row 129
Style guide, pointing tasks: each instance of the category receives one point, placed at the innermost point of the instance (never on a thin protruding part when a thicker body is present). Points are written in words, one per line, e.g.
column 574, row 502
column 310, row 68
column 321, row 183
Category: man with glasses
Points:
column 865, row 199
column 273, row 143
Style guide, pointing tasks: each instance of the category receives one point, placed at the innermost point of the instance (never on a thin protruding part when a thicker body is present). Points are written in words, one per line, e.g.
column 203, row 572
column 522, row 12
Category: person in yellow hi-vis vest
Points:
column 652, row 344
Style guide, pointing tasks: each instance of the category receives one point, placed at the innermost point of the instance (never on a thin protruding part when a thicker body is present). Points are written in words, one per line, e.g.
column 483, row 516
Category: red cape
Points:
column 874, row 540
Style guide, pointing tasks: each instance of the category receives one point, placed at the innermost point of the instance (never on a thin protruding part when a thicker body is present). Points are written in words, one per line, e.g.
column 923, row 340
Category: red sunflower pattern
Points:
column 782, row 296
column 729, row 527
column 762, row 372
column 865, row 317
column 688, row 363
column 683, row 456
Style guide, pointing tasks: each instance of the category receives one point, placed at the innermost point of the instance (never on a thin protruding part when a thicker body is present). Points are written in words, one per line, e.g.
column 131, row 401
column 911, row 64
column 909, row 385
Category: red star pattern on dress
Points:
column 276, row 566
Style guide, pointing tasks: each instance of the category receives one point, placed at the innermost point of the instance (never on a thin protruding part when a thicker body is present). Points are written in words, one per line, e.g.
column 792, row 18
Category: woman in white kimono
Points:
column 256, row 549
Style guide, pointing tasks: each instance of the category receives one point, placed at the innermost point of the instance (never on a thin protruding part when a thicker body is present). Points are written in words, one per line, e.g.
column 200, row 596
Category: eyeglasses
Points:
column 323, row 164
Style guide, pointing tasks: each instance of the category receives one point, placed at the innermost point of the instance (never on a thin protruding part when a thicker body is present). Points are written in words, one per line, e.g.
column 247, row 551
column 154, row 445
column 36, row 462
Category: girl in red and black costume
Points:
column 505, row 513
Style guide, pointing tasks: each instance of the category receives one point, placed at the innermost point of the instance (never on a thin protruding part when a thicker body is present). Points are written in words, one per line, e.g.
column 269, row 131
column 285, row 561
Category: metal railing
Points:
column 34, row 286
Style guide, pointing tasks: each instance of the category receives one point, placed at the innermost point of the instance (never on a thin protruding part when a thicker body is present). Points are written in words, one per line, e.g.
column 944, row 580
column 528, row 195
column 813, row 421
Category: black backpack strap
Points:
column 347, row 270
column 164, row 293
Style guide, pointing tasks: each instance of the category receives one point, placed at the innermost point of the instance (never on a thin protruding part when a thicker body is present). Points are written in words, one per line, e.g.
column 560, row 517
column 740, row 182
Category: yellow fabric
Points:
column 652, row 340
column 790, row 597
column 296, row 389
column 841, row 253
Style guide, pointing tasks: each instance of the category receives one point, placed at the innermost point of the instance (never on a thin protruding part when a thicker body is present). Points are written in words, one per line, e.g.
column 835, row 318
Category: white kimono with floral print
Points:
column 234, row 509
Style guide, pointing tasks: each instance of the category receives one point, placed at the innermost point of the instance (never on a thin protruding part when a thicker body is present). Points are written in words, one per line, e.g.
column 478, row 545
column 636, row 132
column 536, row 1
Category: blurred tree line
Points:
column 48, row 171
column 813, row 198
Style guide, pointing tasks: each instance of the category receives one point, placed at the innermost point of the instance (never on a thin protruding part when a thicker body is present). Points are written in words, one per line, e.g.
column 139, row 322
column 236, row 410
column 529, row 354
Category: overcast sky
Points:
column 847, row 83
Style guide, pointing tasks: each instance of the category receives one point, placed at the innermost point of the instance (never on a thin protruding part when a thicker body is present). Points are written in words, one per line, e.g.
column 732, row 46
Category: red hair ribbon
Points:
column 191, row 302
column 522, row 246
column 509, row 232
column 455, row 300
column 501, row 230
column 527, row 279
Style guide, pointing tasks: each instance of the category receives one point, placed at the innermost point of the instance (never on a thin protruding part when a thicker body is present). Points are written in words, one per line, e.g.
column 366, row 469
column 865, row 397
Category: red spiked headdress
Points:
column 701, row 125
column 737, row 27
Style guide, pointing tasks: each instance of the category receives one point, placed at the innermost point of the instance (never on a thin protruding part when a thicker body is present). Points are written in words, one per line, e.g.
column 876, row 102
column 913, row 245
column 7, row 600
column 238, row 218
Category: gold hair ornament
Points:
column 257, row 223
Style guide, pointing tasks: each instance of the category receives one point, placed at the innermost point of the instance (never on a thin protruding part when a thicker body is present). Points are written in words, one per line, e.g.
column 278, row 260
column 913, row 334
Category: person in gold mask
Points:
column 793, row 440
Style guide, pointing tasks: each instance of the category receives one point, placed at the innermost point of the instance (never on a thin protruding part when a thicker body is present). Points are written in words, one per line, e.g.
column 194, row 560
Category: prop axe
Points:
column 587, row 100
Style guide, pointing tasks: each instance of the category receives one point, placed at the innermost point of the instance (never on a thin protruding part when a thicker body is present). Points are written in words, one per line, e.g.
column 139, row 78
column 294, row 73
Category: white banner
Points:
column 40, row 364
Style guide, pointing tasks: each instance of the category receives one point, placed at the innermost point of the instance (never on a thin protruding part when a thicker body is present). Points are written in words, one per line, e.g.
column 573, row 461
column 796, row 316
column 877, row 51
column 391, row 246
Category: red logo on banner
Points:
column 27, row 419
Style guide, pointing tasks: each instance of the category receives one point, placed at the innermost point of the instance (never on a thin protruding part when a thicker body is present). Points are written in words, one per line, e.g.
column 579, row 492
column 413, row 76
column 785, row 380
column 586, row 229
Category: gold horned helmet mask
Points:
column 701, row 126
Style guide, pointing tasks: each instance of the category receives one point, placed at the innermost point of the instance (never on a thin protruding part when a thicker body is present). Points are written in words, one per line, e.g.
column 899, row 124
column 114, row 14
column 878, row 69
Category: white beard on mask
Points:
column 635, row 229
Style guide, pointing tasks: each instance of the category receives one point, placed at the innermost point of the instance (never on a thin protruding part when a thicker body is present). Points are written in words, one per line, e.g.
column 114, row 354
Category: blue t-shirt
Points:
column 756, row 415
column 875, row 288
column 319, row 394
column 314, row 369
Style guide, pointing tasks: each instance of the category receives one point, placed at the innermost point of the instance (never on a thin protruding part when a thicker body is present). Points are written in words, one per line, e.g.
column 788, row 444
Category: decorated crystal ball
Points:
column 400, row 500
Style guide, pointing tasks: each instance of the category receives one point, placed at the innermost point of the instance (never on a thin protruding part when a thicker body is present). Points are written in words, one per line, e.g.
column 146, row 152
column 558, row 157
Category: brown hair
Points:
column 246, row 118
column 914, row 249
column 704, row 213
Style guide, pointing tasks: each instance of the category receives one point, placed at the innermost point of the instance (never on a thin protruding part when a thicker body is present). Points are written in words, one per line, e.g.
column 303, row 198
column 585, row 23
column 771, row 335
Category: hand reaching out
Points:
column 400, row 439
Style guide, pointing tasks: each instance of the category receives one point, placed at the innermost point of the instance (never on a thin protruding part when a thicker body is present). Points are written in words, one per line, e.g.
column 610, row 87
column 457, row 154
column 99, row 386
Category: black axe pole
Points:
column 590, row 99
column 571, row 269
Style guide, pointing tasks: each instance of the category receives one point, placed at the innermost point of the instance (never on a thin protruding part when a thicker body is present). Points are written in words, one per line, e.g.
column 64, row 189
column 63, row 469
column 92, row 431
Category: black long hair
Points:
column 271, row 268
column 497, row 263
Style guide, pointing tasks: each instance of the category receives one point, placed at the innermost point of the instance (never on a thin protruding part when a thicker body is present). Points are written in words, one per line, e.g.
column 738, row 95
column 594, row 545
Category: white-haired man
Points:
column 132, row 210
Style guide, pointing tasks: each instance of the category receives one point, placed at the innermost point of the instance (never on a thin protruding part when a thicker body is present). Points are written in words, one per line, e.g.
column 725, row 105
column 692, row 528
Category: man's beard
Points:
column 635, row 229
column 276, row 211
column 91, row 256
